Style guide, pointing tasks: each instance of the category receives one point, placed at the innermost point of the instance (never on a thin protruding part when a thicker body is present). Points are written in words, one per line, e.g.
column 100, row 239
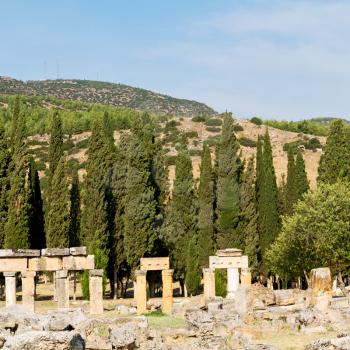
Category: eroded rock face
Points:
column 341, row 343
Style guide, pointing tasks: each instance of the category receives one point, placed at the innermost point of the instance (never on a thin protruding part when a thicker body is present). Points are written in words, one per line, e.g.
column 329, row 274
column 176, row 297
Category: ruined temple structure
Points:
column 28, row 262
column 154, row 264
column 237, row 272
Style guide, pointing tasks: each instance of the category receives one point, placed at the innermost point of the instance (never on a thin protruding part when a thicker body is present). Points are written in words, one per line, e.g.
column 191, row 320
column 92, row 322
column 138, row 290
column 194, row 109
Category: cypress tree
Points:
column 301, row 181
column 57, row 234
column 334, row 162
column 268, row 201
column 182, row 214
column 205, row 209
column 56, row 144
column 75, row 211
column 229, row 168
column 282, row 196
column 20, row 209
column 4, row 182
column 37, row 230
column 140, row 203
column 94, row 223
column 291, row 191
column 193, row 274
column 249, row 215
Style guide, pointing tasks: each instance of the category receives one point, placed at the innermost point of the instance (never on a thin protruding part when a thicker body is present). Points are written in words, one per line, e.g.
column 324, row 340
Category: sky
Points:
column 285, row 59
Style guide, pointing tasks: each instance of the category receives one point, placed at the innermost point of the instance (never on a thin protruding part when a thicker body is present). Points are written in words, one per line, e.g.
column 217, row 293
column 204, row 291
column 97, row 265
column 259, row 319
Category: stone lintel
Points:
column 13, row 264
column 61, row 274
column 55, row 252
column 154, row 264
column 96, row 272
column 17, row 253
column 75, row 251
column 225, row 262
column 229, row 252
column 76, row 263
column 46, row 263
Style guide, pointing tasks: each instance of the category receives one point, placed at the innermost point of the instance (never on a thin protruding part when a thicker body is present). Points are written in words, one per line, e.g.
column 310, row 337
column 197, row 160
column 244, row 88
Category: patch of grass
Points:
column 157, row 319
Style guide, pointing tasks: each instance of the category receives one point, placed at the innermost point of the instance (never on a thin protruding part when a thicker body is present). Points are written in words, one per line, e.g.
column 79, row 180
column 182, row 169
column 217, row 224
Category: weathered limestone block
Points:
column 209, row 284
column 55, row 252
column 10, row 288
column 96, row 291
column 13, row 264
column 284, row 297
column 141, row 296
column 167, row 298
column 17, row 253
column 246, row 277
column 321, row 280
column 75, row 251
column 232, row 282
column 45, row 264
column 322, row 302
column 75, row 263
column 28, row 290
column 154, row 264
column 229, row 252
column 225, row 262
column 62, row 288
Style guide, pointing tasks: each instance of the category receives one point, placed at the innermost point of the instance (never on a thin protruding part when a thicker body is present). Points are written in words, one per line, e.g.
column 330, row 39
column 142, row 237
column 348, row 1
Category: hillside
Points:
column 105, row 93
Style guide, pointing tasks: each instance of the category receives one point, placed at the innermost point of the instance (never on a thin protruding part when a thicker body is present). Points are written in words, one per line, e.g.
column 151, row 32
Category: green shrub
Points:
column 238, row 128
column 247, row 142
column 213, row 122
column 172, row 124
column 212, row 141
column 170, row 160
column 213, row 129
column 195, row 152
column 191, row 134
column 199, row 119
column 311, row 144
column 256, row 121
column 83, row 143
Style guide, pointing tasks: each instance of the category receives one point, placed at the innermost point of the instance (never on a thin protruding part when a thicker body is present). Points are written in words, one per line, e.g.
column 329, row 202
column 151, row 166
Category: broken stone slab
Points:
column 339, row 303
column 229, row 252
column 55, row 252
column 76, row 251
column 284, row 297
column 76, row 263
column 18, row 253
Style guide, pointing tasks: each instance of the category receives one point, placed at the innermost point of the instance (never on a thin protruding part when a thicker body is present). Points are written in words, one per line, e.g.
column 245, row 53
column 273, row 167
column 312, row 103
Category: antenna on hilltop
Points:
column 58, row 69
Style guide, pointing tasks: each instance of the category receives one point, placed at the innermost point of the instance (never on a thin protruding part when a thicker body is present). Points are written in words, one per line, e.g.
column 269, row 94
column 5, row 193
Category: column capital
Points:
column 208, row 270
column 61, row 274
column 140, row 272
column 96, row 272
column 9, row 274
column 28, row 274
column 169, row 272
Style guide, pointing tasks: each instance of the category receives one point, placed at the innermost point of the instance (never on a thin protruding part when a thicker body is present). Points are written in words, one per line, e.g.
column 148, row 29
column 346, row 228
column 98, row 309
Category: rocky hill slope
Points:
column 105, row 93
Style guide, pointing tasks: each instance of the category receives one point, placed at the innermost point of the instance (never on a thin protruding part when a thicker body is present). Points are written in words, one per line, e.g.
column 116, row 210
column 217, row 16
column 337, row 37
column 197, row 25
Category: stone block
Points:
column 76, row 263
column 96, row 291
column 339, row 303
column 10, row 288
column 61, row 274
column 55, row 252
column 17, row 253
column 321, row 280
column 44, row 264
column 96, row 272
column 13, row 264
column 284, row 297
column 75, row 251
column 154, row 264
column 167, row 298
column 229, row 252
column 224, row 262
column 62, row 288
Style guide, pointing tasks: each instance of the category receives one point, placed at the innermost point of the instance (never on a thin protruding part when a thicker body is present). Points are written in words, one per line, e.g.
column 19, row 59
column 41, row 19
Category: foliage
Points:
column 74, row 211
column 305, row 126
column 308, row 143
column 212, row 129
column 247, row 142
column 237, row 128
column 213, row 122
column 193, row 274
column 221, row 283
column 256, row 121
column 199, row 119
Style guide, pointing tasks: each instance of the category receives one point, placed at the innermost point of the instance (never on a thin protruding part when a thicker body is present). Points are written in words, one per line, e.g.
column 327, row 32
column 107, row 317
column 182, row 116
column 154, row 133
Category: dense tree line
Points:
column 123, row 209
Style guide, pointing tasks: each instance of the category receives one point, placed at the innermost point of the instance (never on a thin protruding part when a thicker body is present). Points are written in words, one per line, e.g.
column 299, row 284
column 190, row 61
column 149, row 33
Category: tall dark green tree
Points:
column 140, row 203
column 94, row 224
column 206, row 198
column 249, row 216
column 193, row 274
column 269, row 222
column 57, row 232
column 335, row 160
column 229, row 167
column 182, row 214
column 301, row 181
column 291, row 190
column 75, row 211
column 56, row 144
column 37, row 230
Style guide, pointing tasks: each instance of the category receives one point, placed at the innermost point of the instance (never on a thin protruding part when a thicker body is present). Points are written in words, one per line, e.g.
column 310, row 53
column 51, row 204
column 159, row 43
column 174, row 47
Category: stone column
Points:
column 96, row 291
column 246, row 277
column 167, row 299
column 141, row 296
column 232, row 282
column 28, row 290
column 10, row 288
column 62, row 289
column 209, row 283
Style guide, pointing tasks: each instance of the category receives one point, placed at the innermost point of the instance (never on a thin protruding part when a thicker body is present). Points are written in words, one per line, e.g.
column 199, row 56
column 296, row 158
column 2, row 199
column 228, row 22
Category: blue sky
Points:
column 285, row 59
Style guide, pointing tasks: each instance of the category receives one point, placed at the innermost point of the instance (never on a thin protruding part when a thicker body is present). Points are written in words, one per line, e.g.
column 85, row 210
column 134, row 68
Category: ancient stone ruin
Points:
column 28, row 262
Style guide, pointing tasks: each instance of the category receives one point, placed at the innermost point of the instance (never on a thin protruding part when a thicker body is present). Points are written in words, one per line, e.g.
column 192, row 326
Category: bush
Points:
column 195, row 152
column 213, row 129
column 311, row 144
column 238, row 127
column 212, row 141
column 172, row 124
column 170, row 160
column 83, row 143
column 191, row 134
column 247, row 142
column 256, row 121
column 213, row 122
column 199, row 119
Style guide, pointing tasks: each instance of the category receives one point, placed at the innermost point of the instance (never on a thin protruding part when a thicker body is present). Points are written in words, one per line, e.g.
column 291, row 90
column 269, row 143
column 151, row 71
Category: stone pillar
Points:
column 246, row 277
column 167, row 299
column 10, row 288
column 209, row 283
column 232, row 282
column 141, row 296
column 62, row 289
column 28, row 290
column 96, row 291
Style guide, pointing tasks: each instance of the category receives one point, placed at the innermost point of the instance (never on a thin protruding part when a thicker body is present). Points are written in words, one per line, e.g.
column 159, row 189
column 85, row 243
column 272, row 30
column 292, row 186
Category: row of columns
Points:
column 233, row 281
column 61, row 288
column 140, row 291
